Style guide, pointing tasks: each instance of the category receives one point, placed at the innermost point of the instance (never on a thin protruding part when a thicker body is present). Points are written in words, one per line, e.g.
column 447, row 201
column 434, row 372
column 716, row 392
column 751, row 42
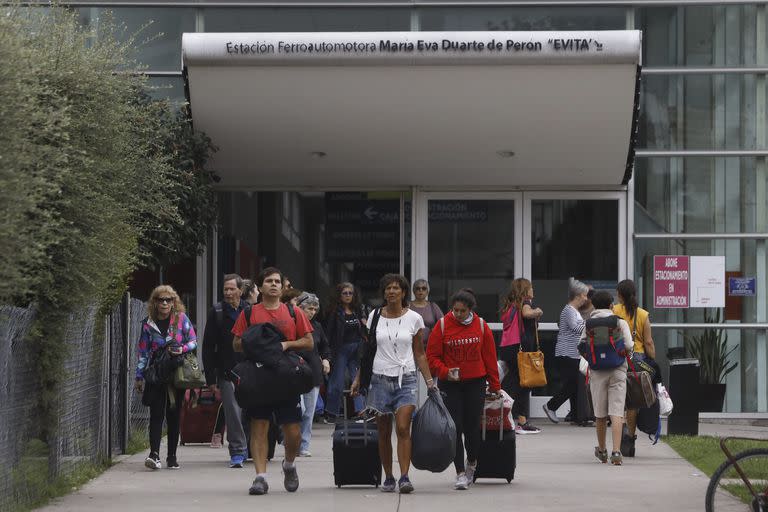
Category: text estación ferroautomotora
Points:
column 420, row 46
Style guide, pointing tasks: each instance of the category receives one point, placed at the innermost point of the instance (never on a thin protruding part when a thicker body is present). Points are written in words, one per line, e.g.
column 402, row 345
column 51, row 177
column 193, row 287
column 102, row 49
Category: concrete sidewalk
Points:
column 556, row 470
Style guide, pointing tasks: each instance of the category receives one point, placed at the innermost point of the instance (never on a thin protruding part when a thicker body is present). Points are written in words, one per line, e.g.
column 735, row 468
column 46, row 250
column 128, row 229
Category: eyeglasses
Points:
column 165, row 300
column 420, row 288
column 347, row 293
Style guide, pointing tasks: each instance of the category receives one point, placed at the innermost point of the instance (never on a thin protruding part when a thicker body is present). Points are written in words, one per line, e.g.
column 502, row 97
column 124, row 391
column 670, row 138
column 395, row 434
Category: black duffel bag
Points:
column 257, row 384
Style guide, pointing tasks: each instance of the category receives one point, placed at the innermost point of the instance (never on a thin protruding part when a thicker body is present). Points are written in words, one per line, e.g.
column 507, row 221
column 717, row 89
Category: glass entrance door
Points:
column 580, row 235
column 484, row 240
column 470, row 240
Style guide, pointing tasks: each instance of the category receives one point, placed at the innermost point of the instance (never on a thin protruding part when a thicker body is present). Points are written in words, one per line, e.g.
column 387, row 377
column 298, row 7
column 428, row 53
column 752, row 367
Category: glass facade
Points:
column 696, row 95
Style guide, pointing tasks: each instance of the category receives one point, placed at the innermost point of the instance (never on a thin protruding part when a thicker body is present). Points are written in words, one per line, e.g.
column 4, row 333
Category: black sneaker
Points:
column 291, row 478
column 627, row 442
column 628, row 445
column 259, row 486
column 172, row 463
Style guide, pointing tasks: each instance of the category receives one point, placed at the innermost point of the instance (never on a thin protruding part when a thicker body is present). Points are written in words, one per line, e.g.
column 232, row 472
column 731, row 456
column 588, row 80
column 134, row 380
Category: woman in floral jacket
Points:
column 166, row 327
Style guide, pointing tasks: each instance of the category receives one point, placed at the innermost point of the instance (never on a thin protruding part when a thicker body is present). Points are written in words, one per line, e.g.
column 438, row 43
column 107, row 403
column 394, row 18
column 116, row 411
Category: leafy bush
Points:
column 95, row 179
column 711, row 349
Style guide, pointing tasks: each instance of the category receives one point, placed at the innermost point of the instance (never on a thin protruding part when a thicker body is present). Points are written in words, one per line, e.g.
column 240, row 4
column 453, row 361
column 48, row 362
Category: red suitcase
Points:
column 199, row 411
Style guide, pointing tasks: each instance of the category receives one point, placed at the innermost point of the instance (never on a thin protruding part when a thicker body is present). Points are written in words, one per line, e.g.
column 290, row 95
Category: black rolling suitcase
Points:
column 356, row 453
column 496, row 457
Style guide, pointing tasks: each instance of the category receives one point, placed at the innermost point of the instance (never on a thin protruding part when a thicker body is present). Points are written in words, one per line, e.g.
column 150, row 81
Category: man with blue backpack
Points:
column 605, row 345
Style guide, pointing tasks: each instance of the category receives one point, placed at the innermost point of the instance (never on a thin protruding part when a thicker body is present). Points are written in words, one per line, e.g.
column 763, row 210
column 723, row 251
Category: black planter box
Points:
column 711, row 397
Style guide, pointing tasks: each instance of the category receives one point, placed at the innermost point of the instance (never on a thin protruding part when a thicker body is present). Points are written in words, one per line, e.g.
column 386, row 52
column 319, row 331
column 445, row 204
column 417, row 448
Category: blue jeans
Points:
column 346, row 360
column 386, row 395
column 308, row 402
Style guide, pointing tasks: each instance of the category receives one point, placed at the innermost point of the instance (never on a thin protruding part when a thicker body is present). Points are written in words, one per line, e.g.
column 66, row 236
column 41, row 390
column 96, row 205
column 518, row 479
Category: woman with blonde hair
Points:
column 166, row 328
column 518, row 317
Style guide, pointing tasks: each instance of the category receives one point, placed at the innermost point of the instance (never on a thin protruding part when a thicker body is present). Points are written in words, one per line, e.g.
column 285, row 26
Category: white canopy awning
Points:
column 395, row 109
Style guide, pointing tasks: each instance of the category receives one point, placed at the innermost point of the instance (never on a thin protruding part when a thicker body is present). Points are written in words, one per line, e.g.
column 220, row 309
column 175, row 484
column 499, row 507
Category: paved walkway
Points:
column 555, row 471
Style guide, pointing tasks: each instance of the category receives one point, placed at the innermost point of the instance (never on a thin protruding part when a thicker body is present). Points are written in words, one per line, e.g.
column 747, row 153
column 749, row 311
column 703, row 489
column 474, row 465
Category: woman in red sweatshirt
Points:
column 462, row 354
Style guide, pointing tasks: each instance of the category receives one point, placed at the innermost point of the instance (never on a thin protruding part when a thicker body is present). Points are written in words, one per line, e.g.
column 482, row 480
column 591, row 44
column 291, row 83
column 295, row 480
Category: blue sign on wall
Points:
column 742, row 286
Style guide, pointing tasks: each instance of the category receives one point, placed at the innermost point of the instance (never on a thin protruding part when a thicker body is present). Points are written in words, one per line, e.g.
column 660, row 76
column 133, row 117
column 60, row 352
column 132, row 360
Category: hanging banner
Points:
column 670, row 281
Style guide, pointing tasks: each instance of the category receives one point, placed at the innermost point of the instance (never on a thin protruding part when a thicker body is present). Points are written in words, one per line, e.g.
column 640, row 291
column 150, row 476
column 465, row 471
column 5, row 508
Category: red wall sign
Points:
column 670, row 281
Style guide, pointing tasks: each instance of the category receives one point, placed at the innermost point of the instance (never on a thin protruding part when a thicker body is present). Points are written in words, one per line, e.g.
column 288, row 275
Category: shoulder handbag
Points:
column 189, row 375
column 640, row 391
column 530, row 366
column 367, row 353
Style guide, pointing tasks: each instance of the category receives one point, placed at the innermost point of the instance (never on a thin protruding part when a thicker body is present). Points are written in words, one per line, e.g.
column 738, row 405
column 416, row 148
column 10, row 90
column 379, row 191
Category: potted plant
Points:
column 711, row 349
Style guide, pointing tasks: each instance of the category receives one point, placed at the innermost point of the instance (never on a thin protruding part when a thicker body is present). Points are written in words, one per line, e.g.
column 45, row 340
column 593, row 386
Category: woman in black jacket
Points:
column 345, row 328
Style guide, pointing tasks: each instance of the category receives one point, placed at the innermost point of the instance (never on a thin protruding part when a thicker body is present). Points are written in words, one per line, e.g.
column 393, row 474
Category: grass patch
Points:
column 704, row 451
column 138, row 442
column 32, row 486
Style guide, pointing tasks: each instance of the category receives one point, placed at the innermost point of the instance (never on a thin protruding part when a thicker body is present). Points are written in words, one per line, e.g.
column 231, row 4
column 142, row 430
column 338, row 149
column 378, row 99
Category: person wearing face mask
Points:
column 318, row 359
column 462, row 354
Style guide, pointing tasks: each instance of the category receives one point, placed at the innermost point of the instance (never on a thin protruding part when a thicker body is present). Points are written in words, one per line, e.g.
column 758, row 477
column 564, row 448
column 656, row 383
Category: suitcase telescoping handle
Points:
column 501, row 418
column 346, row 422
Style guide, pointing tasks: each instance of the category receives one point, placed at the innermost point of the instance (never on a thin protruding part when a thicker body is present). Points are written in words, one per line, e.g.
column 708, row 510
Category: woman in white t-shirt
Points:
column 389, row 376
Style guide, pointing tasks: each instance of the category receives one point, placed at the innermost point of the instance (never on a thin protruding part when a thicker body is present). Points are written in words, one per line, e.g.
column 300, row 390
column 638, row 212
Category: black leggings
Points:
column 159, row 410
column 511, row 384
column 464, row 400
column 569, row 383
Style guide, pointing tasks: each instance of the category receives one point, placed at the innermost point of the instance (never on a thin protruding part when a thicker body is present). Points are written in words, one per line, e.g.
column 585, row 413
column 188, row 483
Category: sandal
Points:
column 602, row 455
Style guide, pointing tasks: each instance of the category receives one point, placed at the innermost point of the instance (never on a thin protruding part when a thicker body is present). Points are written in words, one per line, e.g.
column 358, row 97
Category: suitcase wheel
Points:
column 338, row 485
column 509, row 480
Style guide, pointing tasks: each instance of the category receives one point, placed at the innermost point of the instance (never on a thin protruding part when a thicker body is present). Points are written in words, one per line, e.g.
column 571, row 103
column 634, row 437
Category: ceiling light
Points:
column 505, row 153
column 318, row 154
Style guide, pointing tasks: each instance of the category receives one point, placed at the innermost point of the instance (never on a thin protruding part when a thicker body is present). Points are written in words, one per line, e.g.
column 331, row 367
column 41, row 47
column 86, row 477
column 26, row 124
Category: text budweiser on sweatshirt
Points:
column 464, row 347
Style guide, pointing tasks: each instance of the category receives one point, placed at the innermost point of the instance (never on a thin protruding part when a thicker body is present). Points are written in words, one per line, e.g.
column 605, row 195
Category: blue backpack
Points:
column 604, row 347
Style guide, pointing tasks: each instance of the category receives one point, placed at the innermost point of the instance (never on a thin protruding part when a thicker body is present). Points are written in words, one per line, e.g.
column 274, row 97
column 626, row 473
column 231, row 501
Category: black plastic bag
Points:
column 433, row 435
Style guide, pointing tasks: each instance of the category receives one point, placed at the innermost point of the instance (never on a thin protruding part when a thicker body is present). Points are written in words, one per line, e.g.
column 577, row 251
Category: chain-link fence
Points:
column 99, row 412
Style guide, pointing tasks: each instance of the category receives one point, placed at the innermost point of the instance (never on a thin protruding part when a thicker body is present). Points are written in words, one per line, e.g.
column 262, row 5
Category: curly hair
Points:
column 334, row 303
column 518, row 291
column 401, row 281
column 178, row 306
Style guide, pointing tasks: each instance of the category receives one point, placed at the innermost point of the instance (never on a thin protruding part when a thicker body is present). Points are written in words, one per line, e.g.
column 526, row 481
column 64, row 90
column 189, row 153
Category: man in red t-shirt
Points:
column 298, row 335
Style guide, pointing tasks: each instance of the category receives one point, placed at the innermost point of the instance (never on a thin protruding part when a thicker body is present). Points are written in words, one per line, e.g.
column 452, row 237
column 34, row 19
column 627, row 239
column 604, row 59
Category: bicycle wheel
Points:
column 728, row 492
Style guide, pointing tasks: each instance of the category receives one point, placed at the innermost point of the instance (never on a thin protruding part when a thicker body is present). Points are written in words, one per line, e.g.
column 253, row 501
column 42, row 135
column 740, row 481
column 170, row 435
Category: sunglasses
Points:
column 347, row 293
column 165, row 300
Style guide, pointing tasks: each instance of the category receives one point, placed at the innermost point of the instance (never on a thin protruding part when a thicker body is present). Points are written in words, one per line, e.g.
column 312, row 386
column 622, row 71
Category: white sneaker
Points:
column 462, row 484
column 153, row 461
column 470, row 472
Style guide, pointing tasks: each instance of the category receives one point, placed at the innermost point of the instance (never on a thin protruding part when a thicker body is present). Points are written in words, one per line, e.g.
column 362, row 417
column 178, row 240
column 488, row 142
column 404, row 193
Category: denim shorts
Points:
column 385, row 396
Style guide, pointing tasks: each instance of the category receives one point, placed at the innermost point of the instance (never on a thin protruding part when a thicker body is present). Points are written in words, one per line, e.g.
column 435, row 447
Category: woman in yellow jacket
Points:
column 640, row 325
